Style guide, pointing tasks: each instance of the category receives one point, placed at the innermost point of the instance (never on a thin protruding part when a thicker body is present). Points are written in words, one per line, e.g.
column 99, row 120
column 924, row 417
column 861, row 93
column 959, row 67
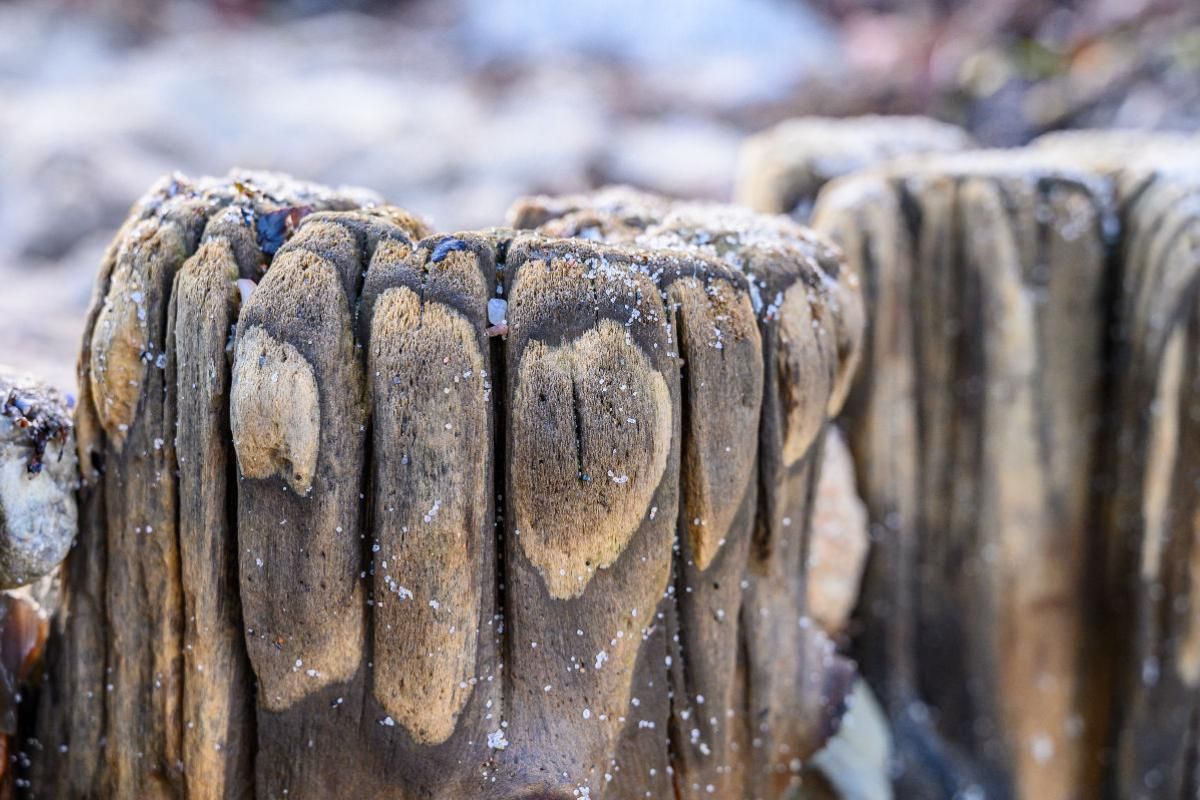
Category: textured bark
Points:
column 376, row 513
column 782, row 169
column 976, row 428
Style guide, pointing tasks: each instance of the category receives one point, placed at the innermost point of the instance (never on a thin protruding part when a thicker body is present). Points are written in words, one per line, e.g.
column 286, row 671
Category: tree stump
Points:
column 372, row 512
column 781, row 169
column 976, row 426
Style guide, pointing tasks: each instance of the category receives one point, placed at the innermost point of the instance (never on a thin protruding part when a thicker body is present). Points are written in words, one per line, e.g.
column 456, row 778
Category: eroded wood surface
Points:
column 808, row 314
column 1153, row 559
column 982, row 429
column 494, row 514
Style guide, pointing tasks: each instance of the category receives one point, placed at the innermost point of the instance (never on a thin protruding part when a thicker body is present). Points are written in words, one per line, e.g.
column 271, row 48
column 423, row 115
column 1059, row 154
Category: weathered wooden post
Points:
column 372, row 512
column 1151, row 555
column 1021, row 428
column 975, row 425
column 1153, row 562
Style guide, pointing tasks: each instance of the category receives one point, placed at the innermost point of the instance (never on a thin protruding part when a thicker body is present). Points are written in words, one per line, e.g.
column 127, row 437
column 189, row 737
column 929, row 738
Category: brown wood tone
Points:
column 376, row 513
column 435, row 690
column 592, row 417
column 975, row 426
column 218, row 726
column 115, row 699
column 751, row 597
column 1153, row 563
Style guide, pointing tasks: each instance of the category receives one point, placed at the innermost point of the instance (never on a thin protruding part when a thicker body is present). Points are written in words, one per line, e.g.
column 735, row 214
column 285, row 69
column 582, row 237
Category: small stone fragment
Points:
column 37, row 480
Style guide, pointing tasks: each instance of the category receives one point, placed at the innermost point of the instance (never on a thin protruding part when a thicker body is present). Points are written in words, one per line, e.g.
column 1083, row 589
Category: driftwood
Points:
column 782, row 169
column 371, row 512
column 975, row 426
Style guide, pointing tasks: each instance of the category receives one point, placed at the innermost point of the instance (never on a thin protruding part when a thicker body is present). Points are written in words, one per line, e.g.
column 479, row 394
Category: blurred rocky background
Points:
column 454, row 108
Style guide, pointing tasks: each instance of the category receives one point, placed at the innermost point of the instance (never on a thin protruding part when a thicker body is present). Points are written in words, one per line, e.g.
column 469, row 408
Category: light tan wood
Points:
column 488, row 514
column 977, row 426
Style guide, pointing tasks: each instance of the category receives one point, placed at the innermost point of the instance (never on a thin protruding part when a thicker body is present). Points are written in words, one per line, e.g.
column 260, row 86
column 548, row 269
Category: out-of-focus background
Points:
column 454, row 108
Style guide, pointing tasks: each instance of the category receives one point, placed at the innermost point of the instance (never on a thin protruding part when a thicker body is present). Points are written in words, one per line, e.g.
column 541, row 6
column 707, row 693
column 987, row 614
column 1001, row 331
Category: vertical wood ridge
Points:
column 453, row 560
column 1009, row 263
column 796, row 289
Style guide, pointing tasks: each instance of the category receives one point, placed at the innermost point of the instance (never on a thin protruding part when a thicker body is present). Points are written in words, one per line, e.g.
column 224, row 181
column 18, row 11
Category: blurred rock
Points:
column 38, row 518
column 839, row 542
column 856, row 762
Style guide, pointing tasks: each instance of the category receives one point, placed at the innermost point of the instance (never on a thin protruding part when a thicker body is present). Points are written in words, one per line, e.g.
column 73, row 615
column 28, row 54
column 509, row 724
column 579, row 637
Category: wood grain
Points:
column 751, row 596
column 988, row 280
column 489, row 514
column 112, row 710
column 436, row 678
column 1151, row 522
column 593, row 408
column 218, row 701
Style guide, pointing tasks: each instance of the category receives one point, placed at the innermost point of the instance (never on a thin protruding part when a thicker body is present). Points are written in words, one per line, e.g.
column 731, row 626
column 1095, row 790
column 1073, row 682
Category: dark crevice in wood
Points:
column 816, row 452
column 366, row 497
column 577, row 415
column 677, row 700
column 171, row 426
column 498, row 373
column 677, row 644
column 763, row 546
column 367, row 557
column 1101, row 616
column 251, row 690
column 906, row 594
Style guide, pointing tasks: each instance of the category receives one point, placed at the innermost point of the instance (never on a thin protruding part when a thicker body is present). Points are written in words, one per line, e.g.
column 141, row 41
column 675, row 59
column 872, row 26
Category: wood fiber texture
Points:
column 976, row 424
column 374, row 512
column 1152, row 558
column 740, row 633
column 1022, row 429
